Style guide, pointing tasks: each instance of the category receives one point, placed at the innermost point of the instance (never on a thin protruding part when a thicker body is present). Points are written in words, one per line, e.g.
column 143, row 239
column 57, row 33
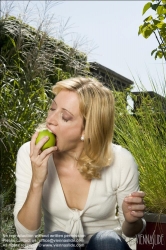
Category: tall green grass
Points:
column 31, row 62
column 143, row 133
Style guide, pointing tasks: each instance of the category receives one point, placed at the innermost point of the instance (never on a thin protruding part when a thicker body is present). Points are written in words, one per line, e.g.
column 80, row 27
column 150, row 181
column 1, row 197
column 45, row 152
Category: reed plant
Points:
column 31, row 62
column 142, row 130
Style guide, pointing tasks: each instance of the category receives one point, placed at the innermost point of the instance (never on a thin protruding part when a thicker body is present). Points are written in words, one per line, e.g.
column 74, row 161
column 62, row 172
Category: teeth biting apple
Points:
column 51, row 141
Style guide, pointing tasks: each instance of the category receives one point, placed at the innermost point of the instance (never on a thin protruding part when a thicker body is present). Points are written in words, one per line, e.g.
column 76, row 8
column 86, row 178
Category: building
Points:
column 109, row 77
column 151, row 94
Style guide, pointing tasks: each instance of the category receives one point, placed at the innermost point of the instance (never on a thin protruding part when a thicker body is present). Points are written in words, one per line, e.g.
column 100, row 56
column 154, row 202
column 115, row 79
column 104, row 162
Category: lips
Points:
column 56, row 142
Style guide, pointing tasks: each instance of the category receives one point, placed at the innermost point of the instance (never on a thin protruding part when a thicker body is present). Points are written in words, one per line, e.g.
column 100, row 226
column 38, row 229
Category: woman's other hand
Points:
column 133, row 206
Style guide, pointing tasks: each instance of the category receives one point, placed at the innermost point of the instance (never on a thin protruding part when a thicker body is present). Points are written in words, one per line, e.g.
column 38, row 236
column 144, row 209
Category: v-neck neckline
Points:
column 90, row 192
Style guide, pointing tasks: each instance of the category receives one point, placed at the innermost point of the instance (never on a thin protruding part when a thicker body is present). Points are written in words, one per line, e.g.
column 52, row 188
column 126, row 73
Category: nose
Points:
column 52, row 118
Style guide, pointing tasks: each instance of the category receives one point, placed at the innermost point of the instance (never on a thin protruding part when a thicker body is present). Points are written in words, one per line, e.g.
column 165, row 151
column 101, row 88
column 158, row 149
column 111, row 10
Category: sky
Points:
column 107, row 31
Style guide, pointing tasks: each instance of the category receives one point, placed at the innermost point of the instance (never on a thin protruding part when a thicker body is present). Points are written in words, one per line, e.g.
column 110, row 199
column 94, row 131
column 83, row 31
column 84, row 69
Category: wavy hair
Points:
column 96, row 104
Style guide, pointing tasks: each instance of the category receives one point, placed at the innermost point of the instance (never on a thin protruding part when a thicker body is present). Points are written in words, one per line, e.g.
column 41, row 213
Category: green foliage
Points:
column 146, row 7
column 30, row 64
column 8, row 234
column 155, row 25
column 142, row 132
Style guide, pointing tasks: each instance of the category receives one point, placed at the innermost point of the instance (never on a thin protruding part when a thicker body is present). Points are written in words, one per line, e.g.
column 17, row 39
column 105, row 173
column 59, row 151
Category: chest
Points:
column 75, row 188
column 97, row 198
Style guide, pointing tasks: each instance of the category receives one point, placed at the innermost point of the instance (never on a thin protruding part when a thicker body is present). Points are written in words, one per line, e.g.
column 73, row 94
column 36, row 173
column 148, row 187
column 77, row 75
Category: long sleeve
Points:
column 23, row 179
column 128, row 179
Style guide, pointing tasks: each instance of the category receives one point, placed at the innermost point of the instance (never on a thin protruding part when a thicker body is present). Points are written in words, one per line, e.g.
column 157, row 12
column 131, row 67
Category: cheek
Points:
column 71, row 133
column 74, row 134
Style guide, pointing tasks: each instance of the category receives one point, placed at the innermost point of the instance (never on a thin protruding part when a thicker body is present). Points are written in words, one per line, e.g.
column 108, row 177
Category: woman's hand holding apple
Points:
column 39, row 159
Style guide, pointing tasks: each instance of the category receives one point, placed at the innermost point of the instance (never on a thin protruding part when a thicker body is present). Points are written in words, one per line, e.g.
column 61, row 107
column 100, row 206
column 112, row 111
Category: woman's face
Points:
column 65, row 121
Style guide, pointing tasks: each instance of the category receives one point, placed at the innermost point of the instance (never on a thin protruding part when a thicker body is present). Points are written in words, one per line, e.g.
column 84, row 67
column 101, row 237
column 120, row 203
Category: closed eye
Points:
column 64, row 118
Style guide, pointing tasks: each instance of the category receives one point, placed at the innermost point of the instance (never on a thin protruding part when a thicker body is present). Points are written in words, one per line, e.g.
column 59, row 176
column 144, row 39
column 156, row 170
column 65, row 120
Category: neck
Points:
column 70, row 156
column 67, row 158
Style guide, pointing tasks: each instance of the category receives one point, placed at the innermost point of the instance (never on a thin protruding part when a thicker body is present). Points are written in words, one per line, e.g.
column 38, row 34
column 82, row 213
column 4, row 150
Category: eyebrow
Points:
column 64, row 108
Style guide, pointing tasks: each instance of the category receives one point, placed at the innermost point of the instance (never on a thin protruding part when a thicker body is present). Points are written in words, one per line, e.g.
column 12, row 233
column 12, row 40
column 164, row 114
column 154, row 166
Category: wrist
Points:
column 130, row 229
column 137, row 223
column 144, row 225
column 35, row 186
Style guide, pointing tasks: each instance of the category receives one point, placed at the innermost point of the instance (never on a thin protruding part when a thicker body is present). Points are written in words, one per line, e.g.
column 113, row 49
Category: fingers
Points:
column 46, row 153
column 137, row 214
column 134, row 200
column 138, row 194
column 32, row 143
column 135, row 197
column 140, row 207
column 35, row 149
column 135, row 204
column 39, row 159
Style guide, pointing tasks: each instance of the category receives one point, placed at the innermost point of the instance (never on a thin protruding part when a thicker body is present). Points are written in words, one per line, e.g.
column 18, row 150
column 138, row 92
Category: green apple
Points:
column 51, row 141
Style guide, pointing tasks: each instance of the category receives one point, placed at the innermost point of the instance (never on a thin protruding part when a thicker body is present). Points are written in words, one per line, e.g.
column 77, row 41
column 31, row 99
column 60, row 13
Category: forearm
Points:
column 131, row 229
column 30, row 214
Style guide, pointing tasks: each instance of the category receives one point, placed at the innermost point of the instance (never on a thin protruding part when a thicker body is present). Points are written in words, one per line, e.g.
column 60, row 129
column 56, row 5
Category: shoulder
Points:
column 24, row 149
column 122, row 158
column 125, row 168
column 121, row 153
column 23, row 163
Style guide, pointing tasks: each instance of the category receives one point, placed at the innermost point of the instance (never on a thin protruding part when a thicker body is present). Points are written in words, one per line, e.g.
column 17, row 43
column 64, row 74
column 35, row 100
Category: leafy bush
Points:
column 31, row 63
column 155, row 25
column 8, row 235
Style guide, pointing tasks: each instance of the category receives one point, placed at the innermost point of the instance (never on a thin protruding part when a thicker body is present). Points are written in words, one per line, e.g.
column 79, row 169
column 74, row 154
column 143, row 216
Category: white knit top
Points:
column 117, row 181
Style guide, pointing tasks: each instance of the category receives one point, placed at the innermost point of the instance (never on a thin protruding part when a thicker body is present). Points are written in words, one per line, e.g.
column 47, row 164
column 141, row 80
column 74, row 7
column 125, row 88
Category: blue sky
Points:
column 110, row 29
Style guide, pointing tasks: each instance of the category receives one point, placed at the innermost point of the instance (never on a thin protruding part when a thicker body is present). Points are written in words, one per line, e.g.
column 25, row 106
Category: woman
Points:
column 81, row 181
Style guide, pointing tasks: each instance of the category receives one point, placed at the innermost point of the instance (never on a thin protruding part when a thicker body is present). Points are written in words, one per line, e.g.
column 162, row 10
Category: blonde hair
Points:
column 97, row 108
